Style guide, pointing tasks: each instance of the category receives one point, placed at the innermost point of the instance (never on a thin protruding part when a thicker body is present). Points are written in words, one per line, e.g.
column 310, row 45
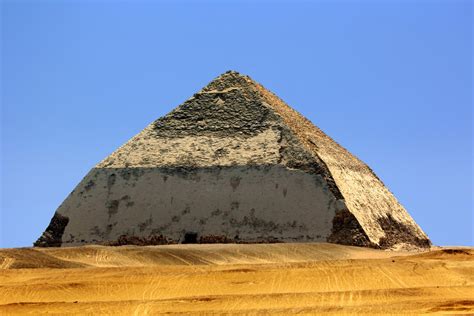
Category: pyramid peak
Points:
column 226, row 80
column 232, row 74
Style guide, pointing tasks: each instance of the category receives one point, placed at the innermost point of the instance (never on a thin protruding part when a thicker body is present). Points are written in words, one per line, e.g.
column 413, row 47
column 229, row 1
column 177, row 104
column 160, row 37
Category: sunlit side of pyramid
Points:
column 233, row 163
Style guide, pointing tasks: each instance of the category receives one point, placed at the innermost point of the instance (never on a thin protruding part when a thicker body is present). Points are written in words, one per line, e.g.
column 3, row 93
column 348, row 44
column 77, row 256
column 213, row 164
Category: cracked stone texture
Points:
column 235, row 161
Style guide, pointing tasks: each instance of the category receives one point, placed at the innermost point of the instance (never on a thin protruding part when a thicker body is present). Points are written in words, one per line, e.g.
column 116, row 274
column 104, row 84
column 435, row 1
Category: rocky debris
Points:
column 151, row 240
column 216, row 239
column 189, row 238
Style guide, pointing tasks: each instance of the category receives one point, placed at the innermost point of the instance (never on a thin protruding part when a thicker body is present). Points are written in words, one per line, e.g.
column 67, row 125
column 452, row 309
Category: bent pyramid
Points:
column 233, row 163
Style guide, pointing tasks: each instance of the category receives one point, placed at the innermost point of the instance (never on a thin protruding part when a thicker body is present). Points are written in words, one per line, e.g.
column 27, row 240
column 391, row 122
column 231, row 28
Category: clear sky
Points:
column 389, row 80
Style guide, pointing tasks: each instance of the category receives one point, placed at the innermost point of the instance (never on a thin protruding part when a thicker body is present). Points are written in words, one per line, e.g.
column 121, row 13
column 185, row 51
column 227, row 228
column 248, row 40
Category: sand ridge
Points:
column 235, row 279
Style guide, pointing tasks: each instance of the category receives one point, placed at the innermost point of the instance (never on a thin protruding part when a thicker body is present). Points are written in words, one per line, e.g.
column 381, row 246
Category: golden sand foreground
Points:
column 235, row 279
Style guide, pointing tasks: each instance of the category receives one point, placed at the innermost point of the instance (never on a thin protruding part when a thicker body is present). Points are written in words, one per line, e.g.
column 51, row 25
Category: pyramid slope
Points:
column 288, row 181
column 383, row 218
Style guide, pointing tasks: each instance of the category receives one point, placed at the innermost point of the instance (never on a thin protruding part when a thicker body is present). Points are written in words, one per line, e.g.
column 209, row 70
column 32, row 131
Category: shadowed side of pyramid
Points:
column 233, row 163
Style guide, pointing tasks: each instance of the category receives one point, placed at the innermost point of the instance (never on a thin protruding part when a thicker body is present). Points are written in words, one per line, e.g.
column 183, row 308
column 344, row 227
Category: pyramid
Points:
column 233, row 163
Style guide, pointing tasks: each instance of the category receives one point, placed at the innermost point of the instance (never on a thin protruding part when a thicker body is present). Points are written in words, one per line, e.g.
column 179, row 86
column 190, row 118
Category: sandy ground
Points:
column 235, row 279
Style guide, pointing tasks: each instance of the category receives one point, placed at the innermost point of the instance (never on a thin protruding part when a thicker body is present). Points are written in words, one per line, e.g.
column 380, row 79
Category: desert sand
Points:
column 306, row 278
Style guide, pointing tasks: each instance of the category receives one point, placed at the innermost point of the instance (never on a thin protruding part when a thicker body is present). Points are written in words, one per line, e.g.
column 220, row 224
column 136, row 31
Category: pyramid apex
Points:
column 228, row 79
column 232, row 74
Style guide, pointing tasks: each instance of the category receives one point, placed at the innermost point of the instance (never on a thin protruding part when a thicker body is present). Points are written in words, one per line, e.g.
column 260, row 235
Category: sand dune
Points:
column 214, row 254
column 250, row 279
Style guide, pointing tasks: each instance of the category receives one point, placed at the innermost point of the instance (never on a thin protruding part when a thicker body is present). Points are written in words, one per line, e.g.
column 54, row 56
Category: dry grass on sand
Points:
column 248, row 279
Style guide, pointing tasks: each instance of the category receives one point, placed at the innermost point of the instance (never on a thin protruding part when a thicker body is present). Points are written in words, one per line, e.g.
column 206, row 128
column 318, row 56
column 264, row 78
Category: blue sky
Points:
column 389, row 80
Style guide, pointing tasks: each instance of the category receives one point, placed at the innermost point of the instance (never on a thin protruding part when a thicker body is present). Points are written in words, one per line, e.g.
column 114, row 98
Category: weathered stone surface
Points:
column 233, row 163
column 52, row 237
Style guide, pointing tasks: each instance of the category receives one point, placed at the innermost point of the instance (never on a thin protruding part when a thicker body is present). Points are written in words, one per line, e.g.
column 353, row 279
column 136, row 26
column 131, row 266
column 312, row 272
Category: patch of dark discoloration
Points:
column 217, row 212
column 145, row 224
column 108, row 229
column 187, row 162
column 183, row 170
column 234, row 205
column 220, row 153
column 52, row 237
column 263, row 226
column 186, row 210
column 160, row 229
column 126, row 174
column 254, row 222
column 95, row 231
column 102, row 234
column 346, row 230
column 397, row 232
column 111, row 180
column 234, row 182
column 89, row 185
column 112, row 207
